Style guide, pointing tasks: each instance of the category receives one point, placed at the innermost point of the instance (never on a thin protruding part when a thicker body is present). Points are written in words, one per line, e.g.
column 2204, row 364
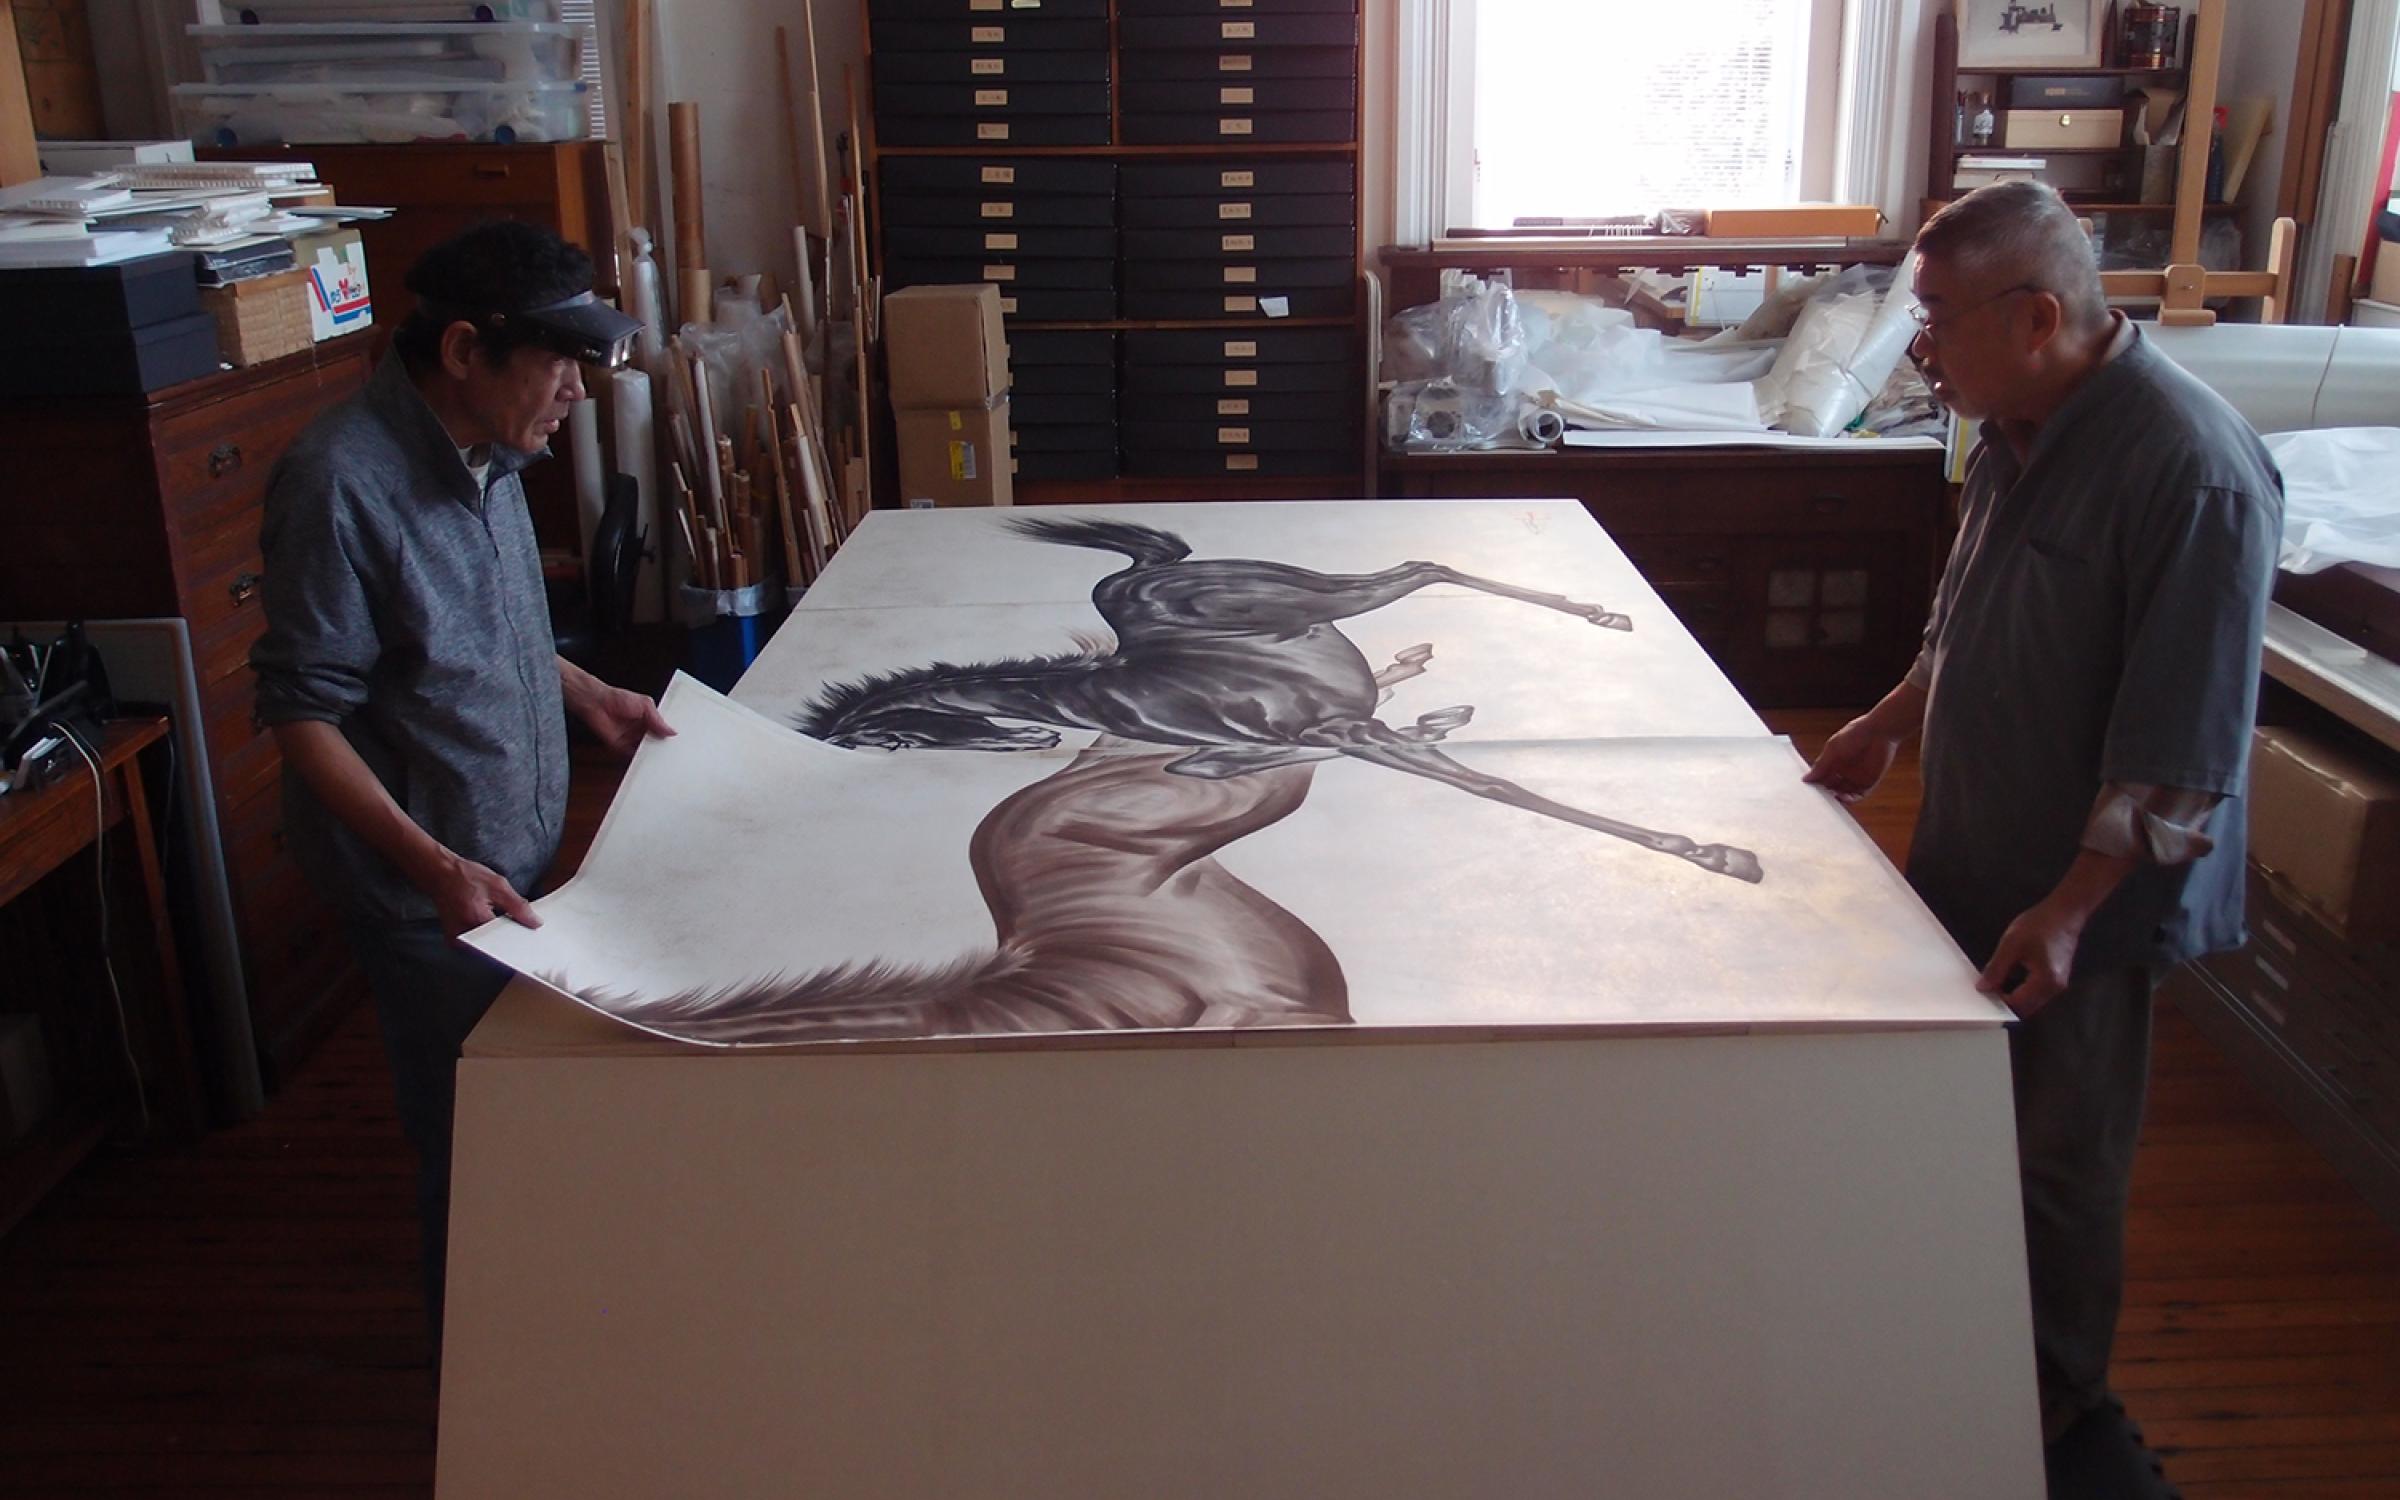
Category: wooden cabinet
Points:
column 439, row 188
column 132, row 506
column 2315, row 1020
column 1806, row 575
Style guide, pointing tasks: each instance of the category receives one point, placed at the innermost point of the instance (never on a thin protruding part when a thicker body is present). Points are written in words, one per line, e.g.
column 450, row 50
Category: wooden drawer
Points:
column 229, row 706
column 221, row 472
column 293, row 948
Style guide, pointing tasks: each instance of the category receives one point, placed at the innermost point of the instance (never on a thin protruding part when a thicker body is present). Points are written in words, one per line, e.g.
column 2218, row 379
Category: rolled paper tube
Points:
column 683, row 146
column 1541, row 425
column 693, row 292
column 644, row 298
column 591, row 494
column 637, row 456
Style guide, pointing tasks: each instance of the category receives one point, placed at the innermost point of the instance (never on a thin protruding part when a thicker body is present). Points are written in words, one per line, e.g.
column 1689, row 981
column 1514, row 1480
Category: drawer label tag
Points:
column 1002, row 175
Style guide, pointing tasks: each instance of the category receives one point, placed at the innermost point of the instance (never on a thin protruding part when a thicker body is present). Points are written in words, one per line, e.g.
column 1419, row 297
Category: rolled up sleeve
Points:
column 2197, row 586
column 320, row 643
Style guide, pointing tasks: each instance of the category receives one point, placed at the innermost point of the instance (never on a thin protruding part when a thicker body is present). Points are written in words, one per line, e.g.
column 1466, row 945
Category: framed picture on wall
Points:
column 2013, row 34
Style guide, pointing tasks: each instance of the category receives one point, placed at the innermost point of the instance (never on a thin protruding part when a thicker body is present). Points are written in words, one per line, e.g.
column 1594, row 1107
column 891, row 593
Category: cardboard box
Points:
column 943, row 347
column 340, row 300
column 2065, row 128
column 1796, row 221
column 2325, row 824
column 955, row 456
column 2386, row 285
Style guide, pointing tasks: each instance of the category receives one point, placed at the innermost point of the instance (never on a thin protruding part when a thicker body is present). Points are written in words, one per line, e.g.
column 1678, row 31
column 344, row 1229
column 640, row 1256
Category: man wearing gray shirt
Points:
column 2086, row 692
column 408, row 669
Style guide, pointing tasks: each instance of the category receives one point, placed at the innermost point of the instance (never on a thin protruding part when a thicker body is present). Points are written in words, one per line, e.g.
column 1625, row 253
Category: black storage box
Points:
column 1240, row 244
column 1236, row 60
column 1291, row 346
column 1010, row 130
column 2048, row 91
column 991, row 37
column 1060, row 409
column 984, row 10
column 50, row 302
column 995, row 98
column 1238, row 179
column 935, row 242
column 1176, row 463
column 1214, row 33
column 113, row 362
column 1265, row 304
column 1290, row 127
column 1232, row 211
column 1064, row 346
column 1066, row 437
column 1144, row 380
column 977, row 177
column 983, row 71
column 1088, row 464
column 1006, row 274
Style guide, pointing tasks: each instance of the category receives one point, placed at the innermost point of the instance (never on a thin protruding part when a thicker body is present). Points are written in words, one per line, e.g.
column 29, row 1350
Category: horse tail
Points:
column 854, row 1002
column 1146, row 545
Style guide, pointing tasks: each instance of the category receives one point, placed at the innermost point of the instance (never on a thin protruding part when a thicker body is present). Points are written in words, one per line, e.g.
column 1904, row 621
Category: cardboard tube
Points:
column 637, row 456
column 591, row 495
column 691, row 233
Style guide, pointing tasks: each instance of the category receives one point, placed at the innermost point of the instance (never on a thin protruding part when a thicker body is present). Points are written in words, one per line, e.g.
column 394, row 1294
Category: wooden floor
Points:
column 240, row 1318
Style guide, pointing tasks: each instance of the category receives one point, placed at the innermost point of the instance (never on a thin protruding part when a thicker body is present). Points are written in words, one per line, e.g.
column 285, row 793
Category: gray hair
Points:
column 2022, row 232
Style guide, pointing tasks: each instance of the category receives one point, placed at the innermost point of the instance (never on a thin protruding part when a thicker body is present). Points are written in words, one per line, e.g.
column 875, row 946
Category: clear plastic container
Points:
column 274, row 12
column 341, row 55
column 379, row 113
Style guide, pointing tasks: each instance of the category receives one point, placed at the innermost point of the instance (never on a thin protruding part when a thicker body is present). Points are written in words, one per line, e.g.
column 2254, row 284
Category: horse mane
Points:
column 836, row 701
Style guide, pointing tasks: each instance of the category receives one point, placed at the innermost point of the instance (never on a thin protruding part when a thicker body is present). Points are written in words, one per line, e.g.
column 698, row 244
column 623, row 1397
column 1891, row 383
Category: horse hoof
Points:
column 1724, row 859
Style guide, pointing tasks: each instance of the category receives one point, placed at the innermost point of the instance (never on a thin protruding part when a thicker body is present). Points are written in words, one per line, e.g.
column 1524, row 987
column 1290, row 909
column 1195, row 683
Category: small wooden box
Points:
column 2030, row 129
column 261, row 319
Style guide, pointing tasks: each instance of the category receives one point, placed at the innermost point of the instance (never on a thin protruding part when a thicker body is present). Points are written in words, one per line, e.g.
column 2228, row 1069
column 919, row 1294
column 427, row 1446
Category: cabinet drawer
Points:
column 230, row 587
column 1307, row 302
column 293, row 948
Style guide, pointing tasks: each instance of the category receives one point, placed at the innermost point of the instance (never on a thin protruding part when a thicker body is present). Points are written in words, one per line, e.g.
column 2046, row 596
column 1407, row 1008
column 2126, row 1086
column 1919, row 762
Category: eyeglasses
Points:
column 1923, row 317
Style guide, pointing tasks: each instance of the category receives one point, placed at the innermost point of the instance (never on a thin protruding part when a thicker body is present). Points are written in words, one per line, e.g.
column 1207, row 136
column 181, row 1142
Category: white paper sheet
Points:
column 1581, row 439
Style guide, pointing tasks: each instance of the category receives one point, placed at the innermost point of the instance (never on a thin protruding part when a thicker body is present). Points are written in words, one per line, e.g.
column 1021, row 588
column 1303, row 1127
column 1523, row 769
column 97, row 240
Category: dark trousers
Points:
column 2082, row 1073
column 429, row 993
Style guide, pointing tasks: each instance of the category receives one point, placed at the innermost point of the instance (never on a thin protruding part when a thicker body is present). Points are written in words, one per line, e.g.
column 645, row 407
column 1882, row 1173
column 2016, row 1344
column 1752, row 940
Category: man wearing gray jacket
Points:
column 408, row 670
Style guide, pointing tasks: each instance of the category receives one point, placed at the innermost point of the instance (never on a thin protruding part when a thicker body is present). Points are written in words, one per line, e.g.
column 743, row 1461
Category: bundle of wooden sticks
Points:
column 753, row 484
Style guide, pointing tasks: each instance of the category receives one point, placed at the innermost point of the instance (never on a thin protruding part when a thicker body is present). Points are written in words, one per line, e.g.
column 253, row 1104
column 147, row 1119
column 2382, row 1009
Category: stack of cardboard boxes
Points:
column 948, row 369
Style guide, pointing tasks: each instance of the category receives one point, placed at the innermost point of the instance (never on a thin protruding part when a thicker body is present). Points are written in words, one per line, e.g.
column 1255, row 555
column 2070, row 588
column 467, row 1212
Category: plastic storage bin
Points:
column 345, row 54
column 379, row 113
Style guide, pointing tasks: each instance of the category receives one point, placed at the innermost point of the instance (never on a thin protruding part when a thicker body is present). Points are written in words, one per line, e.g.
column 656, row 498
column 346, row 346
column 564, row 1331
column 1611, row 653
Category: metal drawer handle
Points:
column 244, row 588
column 224, row 459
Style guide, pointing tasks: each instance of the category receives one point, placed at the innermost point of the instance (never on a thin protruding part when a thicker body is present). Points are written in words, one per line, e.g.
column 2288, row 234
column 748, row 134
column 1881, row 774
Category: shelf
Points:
column 1122, row 324
column 1347, row 485
column 1664, row 252
column 2044, row 151
column 1965, row 71
column 1201, row 148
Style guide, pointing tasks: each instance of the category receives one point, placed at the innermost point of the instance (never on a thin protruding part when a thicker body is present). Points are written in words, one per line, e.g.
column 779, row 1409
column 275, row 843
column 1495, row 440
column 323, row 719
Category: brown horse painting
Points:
column 1237, row 659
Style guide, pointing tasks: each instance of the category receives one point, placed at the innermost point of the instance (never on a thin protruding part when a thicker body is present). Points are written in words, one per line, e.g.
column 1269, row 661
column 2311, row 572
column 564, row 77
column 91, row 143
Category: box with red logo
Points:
column 339, row 301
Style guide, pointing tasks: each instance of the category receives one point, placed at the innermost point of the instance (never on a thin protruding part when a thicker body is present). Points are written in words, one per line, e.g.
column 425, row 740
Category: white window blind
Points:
column 1584, row 108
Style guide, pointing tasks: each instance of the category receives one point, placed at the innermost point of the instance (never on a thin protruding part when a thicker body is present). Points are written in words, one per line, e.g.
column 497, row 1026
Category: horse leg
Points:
column 1409, row 663
column 1423, row 760
column 1241, row 760
column 1606, row 619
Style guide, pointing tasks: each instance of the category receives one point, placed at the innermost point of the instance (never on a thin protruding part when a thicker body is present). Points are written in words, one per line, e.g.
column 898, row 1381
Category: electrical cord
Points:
column 141, row 1095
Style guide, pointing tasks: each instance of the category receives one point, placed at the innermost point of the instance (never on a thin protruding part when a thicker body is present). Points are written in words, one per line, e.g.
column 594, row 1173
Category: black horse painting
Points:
column 1237, row 660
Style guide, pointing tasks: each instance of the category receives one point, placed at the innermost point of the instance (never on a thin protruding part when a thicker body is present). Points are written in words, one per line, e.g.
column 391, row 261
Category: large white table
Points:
column 1623, row 1179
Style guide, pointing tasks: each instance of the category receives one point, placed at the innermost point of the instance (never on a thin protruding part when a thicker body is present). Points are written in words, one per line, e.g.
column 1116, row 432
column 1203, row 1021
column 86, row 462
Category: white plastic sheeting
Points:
column 2341, row 496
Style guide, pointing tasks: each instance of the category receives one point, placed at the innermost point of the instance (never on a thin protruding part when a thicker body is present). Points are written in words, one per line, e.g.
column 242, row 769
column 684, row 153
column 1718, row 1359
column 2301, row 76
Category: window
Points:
column 1576, row 108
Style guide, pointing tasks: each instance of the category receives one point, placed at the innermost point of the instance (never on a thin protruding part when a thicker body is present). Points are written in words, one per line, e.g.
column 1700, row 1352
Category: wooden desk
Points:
column 40, row 830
